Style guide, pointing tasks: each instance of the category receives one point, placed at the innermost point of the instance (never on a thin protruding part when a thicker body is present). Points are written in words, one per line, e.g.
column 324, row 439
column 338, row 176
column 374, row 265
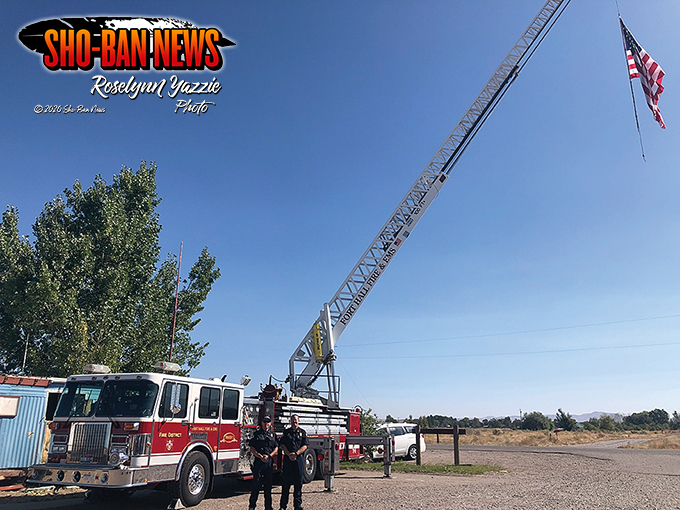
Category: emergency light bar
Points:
column 96, row 369
column 167, row 367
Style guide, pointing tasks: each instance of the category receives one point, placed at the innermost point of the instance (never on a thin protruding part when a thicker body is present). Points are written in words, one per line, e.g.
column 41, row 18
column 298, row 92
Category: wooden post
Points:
column 437, row 438
column 456, row 452
column 455, row 431
column 417, row 431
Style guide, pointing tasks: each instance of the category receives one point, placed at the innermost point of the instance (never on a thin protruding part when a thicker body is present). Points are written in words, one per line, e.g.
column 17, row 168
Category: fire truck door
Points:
column 230, row 431
column 206, row 426
column 171, row 434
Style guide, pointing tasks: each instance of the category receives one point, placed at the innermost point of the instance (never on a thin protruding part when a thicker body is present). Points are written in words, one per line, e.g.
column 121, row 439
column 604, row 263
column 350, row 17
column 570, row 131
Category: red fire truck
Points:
column 125, row 431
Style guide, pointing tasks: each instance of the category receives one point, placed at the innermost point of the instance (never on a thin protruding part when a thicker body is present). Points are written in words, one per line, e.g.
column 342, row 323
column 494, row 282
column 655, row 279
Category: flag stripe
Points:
column 632, row 68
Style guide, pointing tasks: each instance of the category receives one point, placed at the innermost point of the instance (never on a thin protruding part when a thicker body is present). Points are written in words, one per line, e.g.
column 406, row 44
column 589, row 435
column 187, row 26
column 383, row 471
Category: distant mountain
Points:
column 618, row 417
column 512, row 417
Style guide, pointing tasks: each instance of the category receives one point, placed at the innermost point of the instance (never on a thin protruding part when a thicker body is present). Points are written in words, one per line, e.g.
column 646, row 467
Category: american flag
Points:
column 641, row 65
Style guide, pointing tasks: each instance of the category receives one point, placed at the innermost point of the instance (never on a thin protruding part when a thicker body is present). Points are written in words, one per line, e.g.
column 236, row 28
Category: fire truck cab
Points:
column 131, row 430
column 125, row 431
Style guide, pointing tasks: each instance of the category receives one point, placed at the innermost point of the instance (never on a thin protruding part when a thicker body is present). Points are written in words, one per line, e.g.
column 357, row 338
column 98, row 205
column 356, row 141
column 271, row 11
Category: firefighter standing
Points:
column 263, row 446
column 293, row 443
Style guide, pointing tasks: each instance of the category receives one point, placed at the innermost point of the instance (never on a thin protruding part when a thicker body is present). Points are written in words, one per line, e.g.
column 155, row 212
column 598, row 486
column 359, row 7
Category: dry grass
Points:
column 506, row 437
column 670, row 442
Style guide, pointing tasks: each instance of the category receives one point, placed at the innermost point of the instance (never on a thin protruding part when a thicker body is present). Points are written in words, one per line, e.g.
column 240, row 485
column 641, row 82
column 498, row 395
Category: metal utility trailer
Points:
column 26, row 405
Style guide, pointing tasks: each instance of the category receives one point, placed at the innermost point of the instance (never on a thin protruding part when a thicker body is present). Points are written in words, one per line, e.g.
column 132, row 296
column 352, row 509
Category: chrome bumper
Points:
column 87, row 476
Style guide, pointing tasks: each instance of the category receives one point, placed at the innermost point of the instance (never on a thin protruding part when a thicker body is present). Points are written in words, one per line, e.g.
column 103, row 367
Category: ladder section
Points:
column 340, row 310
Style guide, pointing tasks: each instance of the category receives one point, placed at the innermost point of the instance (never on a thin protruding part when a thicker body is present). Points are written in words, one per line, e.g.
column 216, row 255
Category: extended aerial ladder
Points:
column 316, row 352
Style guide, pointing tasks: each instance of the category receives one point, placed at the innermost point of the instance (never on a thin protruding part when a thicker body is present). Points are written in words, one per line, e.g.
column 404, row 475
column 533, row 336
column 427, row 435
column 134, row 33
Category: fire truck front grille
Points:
column 89, row 443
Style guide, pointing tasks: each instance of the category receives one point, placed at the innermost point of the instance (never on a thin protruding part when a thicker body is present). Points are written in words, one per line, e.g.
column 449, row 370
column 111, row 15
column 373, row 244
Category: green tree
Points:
column 536, row 421
column 592, row 425
column 369, row 427
column 422, row 422
column 495, row 423
column 437, row 420
column 647, row 420
column 675, row 421
column 17, row 268
column 659, row 418
column 606, row 423
column 369, row 422
column 90, row 289
column 564, row 421
column 390, row 419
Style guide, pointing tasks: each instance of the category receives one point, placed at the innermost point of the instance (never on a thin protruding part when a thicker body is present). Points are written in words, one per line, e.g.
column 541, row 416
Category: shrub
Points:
column 537, row 421
column 564, row 421
column 675, row 421
column 606, row 423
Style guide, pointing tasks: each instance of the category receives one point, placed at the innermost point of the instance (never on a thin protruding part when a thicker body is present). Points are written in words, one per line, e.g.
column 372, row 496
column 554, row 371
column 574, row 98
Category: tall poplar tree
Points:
column 91, row 288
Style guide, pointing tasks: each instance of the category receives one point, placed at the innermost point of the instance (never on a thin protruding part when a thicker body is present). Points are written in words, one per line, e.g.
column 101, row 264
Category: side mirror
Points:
column 175, row 405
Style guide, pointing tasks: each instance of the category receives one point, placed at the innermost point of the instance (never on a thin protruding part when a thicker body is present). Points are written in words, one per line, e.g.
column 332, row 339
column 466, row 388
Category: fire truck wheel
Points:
column 309, row 470
column 194, row 480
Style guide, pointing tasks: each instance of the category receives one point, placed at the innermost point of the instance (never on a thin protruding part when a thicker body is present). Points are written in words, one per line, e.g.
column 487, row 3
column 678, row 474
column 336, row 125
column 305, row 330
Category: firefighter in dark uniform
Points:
column 263, row 446
column 293, row 443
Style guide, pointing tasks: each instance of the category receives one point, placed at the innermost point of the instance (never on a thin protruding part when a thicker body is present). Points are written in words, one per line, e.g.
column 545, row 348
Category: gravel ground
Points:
column 575, row 477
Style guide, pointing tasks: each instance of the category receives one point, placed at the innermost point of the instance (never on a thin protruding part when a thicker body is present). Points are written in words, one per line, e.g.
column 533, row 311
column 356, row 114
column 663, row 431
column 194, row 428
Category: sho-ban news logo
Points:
column 125, row 43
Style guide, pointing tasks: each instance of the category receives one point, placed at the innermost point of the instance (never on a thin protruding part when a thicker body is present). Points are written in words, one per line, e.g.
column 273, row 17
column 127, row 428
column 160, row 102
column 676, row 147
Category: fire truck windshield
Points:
column 79, row 399
column 123, row 398
column 127, row 398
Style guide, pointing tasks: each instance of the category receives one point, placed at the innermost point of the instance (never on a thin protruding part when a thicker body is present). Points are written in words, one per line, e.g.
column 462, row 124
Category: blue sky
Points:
column 327, row 114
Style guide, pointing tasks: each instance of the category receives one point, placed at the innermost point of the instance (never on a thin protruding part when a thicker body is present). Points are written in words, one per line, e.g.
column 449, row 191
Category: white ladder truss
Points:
column 317, row 349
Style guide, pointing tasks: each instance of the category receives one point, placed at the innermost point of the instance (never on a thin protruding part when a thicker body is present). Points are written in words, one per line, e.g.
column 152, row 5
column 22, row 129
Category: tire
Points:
column 319, row 467
column 194, row 480
column 309, row 465
column 412, row 453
